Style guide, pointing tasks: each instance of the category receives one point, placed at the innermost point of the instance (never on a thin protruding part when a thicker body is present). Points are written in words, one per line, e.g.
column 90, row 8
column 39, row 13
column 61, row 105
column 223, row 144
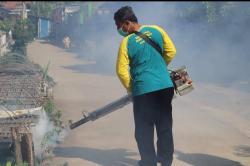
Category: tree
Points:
column 24, row 32
column 42, row 8
column 212, row 12
column 5, row 25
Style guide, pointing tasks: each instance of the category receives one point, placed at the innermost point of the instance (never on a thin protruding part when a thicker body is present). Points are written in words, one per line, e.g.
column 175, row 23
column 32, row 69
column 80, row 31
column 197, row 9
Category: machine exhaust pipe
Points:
column 182, row 84
column 123, row 101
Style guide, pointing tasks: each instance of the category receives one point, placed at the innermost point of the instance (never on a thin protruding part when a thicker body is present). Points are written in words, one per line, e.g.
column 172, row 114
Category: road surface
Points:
column 211, row 124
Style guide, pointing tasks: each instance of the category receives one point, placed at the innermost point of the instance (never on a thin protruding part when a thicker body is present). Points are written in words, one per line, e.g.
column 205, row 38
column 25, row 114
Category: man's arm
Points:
column 169, row 49
column 122, row 65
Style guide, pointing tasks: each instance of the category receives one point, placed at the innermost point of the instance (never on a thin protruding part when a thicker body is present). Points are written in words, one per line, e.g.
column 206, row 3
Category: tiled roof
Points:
column 13, row 4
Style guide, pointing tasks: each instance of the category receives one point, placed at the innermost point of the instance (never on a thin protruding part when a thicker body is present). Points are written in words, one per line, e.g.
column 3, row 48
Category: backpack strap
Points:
column 158, row 49
column 150, row 41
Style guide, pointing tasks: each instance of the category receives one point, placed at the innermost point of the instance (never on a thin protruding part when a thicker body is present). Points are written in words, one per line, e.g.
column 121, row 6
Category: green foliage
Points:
column 5, row 25
column 45, row 8
column 51, row 136
column 227, row 9
column 23, row 164
column 45, row 73
column 212, row 12
column 49, row 107
column 191, row 11
column 24, row 32
column 54, row 115
column 216, row 11
column 42, row 8
column 9, row 163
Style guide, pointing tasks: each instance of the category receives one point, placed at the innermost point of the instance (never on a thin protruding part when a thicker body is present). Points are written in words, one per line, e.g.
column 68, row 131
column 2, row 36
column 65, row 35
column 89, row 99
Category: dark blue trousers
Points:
column 151, row 110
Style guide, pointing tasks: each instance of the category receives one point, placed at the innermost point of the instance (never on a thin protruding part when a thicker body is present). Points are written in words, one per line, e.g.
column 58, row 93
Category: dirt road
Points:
column 211, row 125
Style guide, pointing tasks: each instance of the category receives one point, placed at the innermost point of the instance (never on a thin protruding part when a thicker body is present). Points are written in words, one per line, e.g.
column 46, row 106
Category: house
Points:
column 3, row 43
column 69, row 20
column 42, row 25
column 4, row 13
column 16, row 9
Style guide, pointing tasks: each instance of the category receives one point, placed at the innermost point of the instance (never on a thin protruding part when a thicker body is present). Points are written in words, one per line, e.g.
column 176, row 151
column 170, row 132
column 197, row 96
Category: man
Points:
column 66, row 42
column 150, row 84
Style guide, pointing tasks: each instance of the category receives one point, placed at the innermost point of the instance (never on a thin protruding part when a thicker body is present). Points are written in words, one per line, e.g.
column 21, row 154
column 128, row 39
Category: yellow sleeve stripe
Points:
column 122, row 65
column 169, row 50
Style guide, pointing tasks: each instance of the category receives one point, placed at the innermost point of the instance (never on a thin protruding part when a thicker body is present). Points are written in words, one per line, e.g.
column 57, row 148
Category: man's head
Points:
column 125, row 19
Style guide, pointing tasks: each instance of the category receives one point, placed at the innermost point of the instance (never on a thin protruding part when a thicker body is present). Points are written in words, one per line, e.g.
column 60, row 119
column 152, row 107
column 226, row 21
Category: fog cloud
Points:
column 213, row 54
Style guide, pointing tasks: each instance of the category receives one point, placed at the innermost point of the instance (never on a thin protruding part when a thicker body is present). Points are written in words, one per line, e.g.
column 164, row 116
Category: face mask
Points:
column 121, row 32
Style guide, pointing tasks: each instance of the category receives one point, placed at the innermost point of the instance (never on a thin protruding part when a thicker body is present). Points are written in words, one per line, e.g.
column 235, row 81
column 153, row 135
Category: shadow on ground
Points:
column 198, row 159
column 110, row 157
column 94, row 68
column 242, row 151
column 103, row 67
column 52, row 42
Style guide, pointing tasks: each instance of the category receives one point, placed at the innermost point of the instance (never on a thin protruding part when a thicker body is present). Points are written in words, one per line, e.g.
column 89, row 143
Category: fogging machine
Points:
column 182, row 84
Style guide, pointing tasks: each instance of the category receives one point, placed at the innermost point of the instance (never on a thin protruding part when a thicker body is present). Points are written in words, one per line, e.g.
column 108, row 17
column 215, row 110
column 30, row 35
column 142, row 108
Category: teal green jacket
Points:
column 140, row 68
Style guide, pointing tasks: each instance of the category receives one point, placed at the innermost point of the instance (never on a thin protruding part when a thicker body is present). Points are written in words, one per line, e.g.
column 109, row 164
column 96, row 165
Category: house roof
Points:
column 12, row 5
column 4, row 9
column 20, row 82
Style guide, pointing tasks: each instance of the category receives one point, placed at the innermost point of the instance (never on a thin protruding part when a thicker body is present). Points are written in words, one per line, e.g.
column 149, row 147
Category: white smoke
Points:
column 46, row 135
column 213, row 54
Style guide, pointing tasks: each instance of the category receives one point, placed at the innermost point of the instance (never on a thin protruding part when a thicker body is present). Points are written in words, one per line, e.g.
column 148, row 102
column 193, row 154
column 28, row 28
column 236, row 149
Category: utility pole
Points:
column 24, row 12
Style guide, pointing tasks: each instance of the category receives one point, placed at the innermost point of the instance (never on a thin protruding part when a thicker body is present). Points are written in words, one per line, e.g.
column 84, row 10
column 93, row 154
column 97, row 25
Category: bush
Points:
column 23, row 33
column 49, row 107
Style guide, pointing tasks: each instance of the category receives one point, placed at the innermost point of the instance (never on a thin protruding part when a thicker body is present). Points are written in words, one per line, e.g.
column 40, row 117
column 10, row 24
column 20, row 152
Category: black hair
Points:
column 125, row 13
